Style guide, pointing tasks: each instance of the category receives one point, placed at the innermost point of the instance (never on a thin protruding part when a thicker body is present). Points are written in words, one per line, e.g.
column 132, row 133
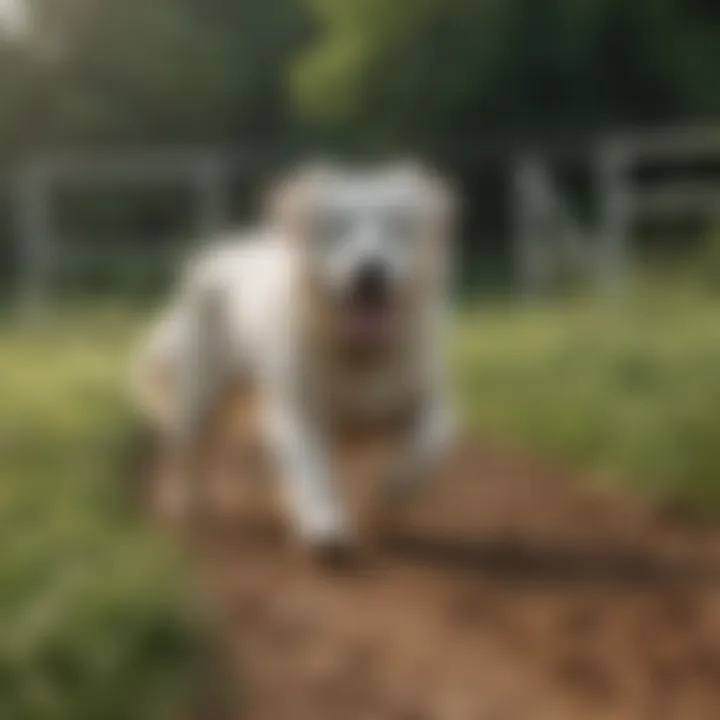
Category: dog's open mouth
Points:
column 369, row 312
column 369, row 325
column 369, row 322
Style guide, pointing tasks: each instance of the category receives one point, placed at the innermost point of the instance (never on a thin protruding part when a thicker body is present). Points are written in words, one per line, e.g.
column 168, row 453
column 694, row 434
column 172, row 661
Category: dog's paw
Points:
column 331, row 542
column 324, row 523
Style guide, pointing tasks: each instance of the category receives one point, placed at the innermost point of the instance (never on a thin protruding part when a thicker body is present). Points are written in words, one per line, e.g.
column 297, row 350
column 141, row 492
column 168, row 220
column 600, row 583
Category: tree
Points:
column 453, row 68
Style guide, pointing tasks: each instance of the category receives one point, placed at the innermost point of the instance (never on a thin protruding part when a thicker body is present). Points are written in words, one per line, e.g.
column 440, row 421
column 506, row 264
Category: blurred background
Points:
column 585, row 138
column 125, row 129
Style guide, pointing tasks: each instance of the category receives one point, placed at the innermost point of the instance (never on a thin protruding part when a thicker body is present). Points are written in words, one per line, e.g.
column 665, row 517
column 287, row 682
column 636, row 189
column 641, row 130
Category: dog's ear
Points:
column 439, row 196
column 445, row 204
column 293, row 197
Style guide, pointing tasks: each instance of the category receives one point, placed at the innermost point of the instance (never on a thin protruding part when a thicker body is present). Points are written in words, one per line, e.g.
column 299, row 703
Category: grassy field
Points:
column 627, row 390
column 95, row 616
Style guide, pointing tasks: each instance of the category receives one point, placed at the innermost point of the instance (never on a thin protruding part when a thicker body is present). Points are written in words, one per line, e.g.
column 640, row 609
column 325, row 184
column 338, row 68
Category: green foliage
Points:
column 627, row 390
column 96, row 620
column 449, row 68
column 151, row 72
column 189, row 70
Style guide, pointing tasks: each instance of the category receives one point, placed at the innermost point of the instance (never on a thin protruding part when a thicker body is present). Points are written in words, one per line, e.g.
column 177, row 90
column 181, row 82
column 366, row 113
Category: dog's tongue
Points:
column 369, row 326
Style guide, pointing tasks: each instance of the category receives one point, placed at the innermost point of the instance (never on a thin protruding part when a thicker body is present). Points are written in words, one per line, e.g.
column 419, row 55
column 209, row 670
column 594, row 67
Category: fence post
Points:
column 615, row 194
column 33, row 235
column 530, row 239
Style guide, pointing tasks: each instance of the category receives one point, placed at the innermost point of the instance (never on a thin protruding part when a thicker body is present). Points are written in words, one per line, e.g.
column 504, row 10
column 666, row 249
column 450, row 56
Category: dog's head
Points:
column 372, row 245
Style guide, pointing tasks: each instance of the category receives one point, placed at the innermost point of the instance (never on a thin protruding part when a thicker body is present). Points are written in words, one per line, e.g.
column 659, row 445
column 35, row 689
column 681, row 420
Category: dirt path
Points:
column 507, row 592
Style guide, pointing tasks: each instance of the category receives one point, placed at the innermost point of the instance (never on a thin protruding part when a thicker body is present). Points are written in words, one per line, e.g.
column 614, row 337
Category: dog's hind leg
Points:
column 204, row 371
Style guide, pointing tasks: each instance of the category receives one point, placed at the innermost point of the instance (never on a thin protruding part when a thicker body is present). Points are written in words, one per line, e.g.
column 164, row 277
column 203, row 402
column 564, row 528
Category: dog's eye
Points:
column 329, row 227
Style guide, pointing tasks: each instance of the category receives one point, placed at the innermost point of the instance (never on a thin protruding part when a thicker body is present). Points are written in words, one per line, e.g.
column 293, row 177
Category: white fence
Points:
column 547, row 231
column 39, row 239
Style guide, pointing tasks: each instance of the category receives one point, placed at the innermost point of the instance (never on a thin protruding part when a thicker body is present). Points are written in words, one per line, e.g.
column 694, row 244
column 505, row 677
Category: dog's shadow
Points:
column 518, row 560
column 525, row 562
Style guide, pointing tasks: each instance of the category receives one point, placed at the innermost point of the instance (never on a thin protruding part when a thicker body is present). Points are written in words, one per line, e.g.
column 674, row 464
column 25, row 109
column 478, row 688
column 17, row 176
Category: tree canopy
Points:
column 89, row 71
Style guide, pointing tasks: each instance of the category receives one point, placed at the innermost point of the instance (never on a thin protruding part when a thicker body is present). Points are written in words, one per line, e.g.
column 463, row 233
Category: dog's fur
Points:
column 276, row 306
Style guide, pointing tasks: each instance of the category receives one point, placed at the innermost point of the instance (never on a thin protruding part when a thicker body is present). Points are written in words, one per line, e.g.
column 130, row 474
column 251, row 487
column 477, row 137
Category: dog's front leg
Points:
column 430, row 436
column 434, row 425
column 203, row 372
column 303, row 460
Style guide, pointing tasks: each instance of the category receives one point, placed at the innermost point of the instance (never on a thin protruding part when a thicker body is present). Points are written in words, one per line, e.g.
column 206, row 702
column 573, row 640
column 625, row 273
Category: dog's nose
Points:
column 371, row 285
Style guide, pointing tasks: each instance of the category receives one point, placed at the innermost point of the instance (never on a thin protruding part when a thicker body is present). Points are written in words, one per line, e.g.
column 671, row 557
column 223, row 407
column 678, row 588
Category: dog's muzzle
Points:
column 369, row 301
column 370, row 288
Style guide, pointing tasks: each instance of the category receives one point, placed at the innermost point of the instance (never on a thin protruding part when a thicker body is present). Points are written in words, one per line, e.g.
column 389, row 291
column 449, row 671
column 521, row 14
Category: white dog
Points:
column 335, row 309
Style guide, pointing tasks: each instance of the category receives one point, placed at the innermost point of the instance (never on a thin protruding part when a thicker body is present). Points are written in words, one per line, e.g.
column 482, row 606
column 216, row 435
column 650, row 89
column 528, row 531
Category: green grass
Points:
column 95, row 616
column 627, row 390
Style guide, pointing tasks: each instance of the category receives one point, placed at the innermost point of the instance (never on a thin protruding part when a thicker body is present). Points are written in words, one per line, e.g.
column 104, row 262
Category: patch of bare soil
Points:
column 504, row 591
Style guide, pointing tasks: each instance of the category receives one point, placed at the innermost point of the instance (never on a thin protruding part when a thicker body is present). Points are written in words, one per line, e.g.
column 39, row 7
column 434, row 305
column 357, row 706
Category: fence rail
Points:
column 546, row 229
